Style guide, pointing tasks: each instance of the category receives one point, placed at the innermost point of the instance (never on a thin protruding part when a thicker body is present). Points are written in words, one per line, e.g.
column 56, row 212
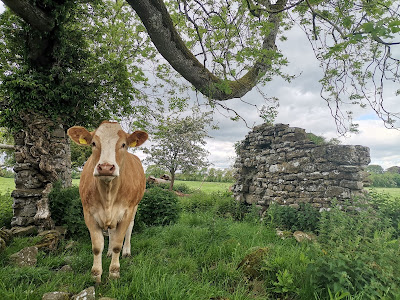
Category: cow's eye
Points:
column 93, row 144
column 123, row 145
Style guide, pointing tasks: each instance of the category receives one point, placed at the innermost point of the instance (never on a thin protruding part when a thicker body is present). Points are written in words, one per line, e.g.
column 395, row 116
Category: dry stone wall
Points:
column 42, row 155
column 279, row 164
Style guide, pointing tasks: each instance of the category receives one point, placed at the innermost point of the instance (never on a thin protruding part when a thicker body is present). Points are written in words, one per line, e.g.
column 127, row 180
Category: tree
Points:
column 48, row 84
column 393, row 170
column 178, row 143
column 52, row 74
column 374, row 169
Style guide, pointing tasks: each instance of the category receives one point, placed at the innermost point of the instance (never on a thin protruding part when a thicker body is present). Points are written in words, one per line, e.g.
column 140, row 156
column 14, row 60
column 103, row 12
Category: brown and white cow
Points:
column 111, row 187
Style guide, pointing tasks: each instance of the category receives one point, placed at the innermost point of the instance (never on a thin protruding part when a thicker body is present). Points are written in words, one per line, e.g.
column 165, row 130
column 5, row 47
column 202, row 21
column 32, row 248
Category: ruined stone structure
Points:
column 280, row 164
column 42, row 155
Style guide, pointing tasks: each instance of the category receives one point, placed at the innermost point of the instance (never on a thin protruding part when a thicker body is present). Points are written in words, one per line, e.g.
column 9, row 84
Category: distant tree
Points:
column 375, row 169
column 179, row 143
column 394, row 170
column 155, row 170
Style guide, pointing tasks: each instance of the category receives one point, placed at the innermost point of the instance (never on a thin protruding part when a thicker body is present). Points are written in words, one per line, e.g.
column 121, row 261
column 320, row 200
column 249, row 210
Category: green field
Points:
column 7, row 184
column 394, row 192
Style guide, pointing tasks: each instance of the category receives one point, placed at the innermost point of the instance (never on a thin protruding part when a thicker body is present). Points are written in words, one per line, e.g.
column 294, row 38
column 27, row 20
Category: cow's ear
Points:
column 137, row 138
column 80, row 135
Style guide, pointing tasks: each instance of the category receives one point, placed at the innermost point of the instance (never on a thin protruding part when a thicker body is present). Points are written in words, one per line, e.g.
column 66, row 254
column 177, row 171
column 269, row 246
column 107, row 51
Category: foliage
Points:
column 79, row 155
column 220, row 203
column 375, row 169
column 359, row 255
column 156, row 171
column 61, row 84
column 178, row 143
column 158, row 207
column 320, row 140
column 208, row 174
column 6, row 211
column 66, row 210
column 354, row 41
column 388, row 206
column 386, row 179
column 303, row 218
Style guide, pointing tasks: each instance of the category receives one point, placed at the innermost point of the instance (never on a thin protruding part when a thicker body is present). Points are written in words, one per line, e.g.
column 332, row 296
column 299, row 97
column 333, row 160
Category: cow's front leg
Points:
column 96, row 235
column 126, row 250
column 116, row 241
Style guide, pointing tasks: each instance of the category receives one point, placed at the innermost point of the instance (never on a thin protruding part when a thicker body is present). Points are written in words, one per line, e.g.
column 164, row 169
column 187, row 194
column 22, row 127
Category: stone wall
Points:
column 43, row 156
column 279, row 164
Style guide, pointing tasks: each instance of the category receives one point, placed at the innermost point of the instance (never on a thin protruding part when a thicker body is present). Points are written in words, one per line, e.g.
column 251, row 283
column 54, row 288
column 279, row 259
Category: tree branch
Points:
column 159, row 25
column 31, row 14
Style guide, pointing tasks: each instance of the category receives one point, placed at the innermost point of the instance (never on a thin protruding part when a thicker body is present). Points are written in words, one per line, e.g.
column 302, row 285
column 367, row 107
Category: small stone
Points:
column 66, row 268
column 56, row 296
column 49, row 240
column 251, row 264
column 24, row 231
column 6, row 235
column 25, row 257
column 86, row 294
column 301, row 236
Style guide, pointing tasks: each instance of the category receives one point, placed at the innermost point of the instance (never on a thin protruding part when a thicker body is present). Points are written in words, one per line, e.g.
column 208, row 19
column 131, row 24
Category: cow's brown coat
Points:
column 111, row 201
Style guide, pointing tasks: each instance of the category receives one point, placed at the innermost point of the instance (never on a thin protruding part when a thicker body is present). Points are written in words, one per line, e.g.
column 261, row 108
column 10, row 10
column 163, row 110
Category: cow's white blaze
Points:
column 108, row 136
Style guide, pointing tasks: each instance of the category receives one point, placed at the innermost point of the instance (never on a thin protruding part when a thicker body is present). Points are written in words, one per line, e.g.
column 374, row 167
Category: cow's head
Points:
column 109, row 146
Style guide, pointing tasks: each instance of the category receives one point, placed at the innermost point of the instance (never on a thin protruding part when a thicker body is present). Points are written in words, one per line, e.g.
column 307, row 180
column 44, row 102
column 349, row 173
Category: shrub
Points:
column 183, row 188
column 358, row 255
column 220, row 203
column 158, row 207
column 388, row 207
column 6, row 211
column 66, row 209
column 305, row 218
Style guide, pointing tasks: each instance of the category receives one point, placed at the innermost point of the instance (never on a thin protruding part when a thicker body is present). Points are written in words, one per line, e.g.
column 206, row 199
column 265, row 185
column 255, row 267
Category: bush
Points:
column 6, row 211
column 183, row 188
column 388, row 207
column 358, row 255
column 66, row 210
column 220, row 203
column 158, row 207
column 305, row 218
column 385, row 180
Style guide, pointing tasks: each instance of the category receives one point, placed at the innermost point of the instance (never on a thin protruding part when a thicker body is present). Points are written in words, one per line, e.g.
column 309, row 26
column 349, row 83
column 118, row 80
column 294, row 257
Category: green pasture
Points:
column 393, row 192
column 7, row 184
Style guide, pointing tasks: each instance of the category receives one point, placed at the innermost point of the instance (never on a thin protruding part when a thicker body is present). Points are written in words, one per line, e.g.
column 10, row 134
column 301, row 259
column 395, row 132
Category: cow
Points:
column 111, row 187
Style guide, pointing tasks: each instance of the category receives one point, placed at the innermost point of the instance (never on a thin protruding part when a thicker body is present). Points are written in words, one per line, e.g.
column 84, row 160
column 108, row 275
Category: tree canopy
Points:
column 223, row 48
column 178, row 143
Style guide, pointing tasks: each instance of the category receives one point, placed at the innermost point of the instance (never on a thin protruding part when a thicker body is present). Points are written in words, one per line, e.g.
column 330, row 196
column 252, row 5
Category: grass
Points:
column 196, row 258
column 393, row 192
column 206, row 187
column 7, row 184
column 199, row 256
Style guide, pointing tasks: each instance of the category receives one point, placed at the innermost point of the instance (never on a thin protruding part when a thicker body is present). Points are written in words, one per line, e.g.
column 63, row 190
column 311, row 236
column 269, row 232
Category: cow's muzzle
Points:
column 105, row 170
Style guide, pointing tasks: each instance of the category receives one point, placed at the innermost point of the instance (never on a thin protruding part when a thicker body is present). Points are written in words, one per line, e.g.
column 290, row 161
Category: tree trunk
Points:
column 171, row 186
column 43, row 156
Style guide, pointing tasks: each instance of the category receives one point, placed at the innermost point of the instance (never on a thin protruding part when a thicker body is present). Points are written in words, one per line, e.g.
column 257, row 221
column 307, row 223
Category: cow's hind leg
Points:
column 126, row 250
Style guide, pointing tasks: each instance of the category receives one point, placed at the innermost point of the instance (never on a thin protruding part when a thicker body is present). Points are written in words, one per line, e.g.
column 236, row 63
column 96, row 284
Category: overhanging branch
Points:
column 31, row 14
column 162, row 32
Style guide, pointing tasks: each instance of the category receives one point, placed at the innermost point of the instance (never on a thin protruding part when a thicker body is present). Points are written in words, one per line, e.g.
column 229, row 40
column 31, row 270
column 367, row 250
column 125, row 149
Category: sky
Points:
column 300, row 105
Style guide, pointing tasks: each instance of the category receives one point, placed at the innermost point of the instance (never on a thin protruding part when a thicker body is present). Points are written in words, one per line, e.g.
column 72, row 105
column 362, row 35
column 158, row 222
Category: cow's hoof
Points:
column 97, row 279
column 127, row 254
column 96, row 275
column 113, row 275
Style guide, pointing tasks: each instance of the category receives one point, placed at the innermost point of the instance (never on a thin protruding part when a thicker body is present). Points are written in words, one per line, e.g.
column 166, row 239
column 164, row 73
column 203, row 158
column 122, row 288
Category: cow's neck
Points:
column 108, row 191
